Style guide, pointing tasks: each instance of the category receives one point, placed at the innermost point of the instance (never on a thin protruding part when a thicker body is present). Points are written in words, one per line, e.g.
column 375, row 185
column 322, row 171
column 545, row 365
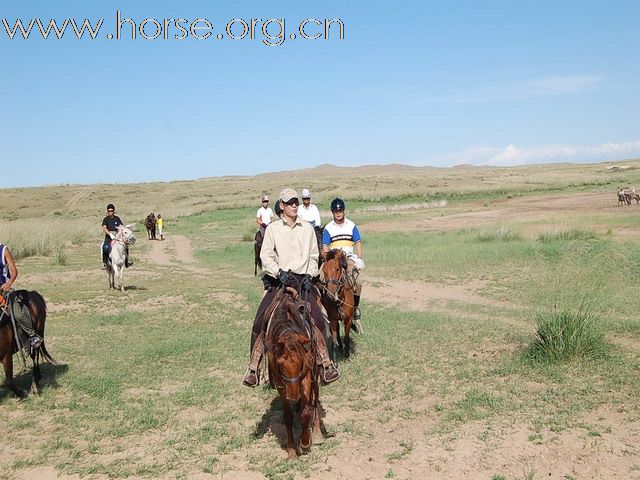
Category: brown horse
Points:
column 257, row 246
column 38, row 310
column 292, row 368
column 150, row 224
column 319, row 229
column 337, row 298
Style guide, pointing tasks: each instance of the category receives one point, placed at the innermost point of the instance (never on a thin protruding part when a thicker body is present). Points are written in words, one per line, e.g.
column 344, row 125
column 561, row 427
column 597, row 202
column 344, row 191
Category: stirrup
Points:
column 246, row 380
column 35, row 342
column 330, row 378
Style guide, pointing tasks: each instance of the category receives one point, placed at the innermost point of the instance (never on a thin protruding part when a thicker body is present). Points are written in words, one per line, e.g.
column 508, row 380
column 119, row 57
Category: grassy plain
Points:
column 460, row 264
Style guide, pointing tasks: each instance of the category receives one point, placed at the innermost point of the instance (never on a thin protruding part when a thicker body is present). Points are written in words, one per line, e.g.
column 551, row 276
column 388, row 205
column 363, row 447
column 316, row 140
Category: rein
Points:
column 308, row 327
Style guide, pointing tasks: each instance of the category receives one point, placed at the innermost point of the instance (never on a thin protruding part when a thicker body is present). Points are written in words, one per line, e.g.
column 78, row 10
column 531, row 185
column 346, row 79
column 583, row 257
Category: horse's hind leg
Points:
column 7, row 362
column 37, row 375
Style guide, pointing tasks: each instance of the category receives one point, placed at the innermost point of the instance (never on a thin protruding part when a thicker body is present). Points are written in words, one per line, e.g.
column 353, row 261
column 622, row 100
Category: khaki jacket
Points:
column 288, row 247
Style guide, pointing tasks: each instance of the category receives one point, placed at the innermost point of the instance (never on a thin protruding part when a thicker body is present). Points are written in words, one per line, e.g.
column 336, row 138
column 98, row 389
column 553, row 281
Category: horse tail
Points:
column 42, row 351
column 39, row 306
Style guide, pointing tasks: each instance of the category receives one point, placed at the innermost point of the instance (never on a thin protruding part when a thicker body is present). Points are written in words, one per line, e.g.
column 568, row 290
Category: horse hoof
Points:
column 20, row 393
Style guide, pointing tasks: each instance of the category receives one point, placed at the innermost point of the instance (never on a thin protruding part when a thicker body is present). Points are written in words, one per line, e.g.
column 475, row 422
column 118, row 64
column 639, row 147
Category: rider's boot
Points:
column 330, row 372
column 357, row 324
column 252, row 376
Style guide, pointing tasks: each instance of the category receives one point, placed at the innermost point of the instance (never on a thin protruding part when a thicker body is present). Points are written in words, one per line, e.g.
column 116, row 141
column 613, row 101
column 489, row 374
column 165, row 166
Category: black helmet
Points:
column 111, row 207
column 337, row 204
column 276, row 208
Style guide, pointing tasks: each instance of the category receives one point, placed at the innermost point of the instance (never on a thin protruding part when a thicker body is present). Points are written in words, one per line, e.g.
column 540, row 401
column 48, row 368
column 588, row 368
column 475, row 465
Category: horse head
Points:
column 333, row 270
column 290, row 348
column 125, row 234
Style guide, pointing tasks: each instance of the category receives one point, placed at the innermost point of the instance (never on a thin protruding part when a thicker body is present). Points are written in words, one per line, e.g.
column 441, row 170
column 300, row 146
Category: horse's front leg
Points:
column 305, row 423
column 7, row 362
column 288, row 423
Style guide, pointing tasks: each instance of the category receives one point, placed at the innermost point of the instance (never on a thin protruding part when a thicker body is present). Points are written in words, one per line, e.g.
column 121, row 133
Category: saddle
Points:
column 16, row 311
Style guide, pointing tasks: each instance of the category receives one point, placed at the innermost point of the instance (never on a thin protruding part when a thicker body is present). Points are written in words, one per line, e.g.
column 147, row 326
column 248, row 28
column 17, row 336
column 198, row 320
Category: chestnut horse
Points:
column 337, row 298
column 292, row 367
column 8, row 344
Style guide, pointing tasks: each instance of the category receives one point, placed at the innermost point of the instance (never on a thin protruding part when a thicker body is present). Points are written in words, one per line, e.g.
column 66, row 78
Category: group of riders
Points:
column 290, row 257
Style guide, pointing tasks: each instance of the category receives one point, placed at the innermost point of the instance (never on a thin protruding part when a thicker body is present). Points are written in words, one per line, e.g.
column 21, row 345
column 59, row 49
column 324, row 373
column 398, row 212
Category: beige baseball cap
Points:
column 288, row 194
column 265, row 198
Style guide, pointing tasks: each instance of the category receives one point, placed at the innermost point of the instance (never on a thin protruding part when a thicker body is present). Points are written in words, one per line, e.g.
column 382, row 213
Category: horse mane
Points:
column 338, row 255
column 335, row 253
column 285, row 328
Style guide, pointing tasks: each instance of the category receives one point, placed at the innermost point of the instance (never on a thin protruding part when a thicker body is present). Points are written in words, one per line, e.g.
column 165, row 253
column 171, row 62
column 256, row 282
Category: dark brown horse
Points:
column 38, row 310
column 292, row 369
column 319, row 229
column 337, row 298
column 257, row 246
column 150, row 224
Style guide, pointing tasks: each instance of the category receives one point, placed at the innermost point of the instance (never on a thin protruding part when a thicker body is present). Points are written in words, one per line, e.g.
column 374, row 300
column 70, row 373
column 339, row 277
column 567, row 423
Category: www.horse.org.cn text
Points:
column 271, row 32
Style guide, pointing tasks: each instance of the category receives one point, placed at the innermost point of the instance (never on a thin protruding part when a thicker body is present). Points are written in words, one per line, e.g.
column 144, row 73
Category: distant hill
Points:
column 368, row 183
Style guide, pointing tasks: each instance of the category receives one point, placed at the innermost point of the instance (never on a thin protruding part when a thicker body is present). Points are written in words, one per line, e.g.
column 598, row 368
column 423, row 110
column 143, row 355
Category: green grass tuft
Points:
column 565, row 334
column 565, row 235
column 500, row 234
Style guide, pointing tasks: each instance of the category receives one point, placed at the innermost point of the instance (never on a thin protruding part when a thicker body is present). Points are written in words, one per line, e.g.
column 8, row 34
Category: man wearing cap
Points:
column 264, row 215
column 309, row 211
column 289, row 257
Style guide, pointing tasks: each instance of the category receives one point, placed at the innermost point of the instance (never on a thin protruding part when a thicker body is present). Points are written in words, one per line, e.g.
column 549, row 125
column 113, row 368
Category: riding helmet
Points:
column 337, row 204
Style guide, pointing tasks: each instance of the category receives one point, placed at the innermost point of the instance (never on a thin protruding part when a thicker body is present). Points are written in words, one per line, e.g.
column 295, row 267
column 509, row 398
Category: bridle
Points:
column 304, row 368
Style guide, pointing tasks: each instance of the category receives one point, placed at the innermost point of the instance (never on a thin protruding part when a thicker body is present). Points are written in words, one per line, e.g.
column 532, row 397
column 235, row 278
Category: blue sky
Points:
column 413, row 82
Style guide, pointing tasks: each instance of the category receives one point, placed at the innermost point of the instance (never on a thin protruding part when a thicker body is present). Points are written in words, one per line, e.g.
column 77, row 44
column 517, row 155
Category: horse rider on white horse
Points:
column 110, row 225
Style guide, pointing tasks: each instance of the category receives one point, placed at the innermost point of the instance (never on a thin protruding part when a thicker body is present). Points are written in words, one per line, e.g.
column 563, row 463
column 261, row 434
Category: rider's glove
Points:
column 359, row 263
column 266, row 281
column 112, row 235
column 263, row 225
column 307, row 283
column 285, row 278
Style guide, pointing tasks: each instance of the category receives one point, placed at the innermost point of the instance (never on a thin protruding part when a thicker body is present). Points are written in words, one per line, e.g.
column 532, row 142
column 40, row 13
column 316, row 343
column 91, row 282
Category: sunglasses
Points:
column 293, row 201
column 110, row 211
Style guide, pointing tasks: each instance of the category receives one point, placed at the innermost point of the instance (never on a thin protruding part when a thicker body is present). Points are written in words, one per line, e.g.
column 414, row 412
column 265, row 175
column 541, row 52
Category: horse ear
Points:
column 129, row 225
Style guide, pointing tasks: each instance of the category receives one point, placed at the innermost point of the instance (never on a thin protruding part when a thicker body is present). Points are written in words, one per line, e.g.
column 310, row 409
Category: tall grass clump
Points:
column 249, row 233
column 500, row 234
column 46, row 237
column 565, row 235
column 567, row 332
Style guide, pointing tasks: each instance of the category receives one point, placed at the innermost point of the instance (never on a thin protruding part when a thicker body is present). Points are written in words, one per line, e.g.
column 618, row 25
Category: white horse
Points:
column 115, row 269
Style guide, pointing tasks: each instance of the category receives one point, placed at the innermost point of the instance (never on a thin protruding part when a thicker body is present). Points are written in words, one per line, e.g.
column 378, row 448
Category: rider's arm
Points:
column 105, row 229
column 268, row 254
column 358, row 247
column 13, row 270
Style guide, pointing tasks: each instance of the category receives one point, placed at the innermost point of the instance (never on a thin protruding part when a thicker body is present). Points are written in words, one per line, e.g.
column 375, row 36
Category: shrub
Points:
column 500, row 234
column 565, row 235
column 565, row 333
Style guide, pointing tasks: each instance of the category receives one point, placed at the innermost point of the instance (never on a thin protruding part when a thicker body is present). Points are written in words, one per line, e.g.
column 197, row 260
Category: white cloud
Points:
column 513, row 155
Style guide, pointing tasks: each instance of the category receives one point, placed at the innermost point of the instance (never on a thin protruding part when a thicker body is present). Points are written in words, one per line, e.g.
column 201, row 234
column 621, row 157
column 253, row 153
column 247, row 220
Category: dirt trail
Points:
column 176, row 248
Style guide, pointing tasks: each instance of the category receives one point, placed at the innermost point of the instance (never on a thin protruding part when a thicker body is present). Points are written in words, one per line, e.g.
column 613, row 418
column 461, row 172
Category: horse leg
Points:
column 7, row 362
column 36, row 375
column 347, row 338
column 316, row 432
column 288, row 423
column 305, row 421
